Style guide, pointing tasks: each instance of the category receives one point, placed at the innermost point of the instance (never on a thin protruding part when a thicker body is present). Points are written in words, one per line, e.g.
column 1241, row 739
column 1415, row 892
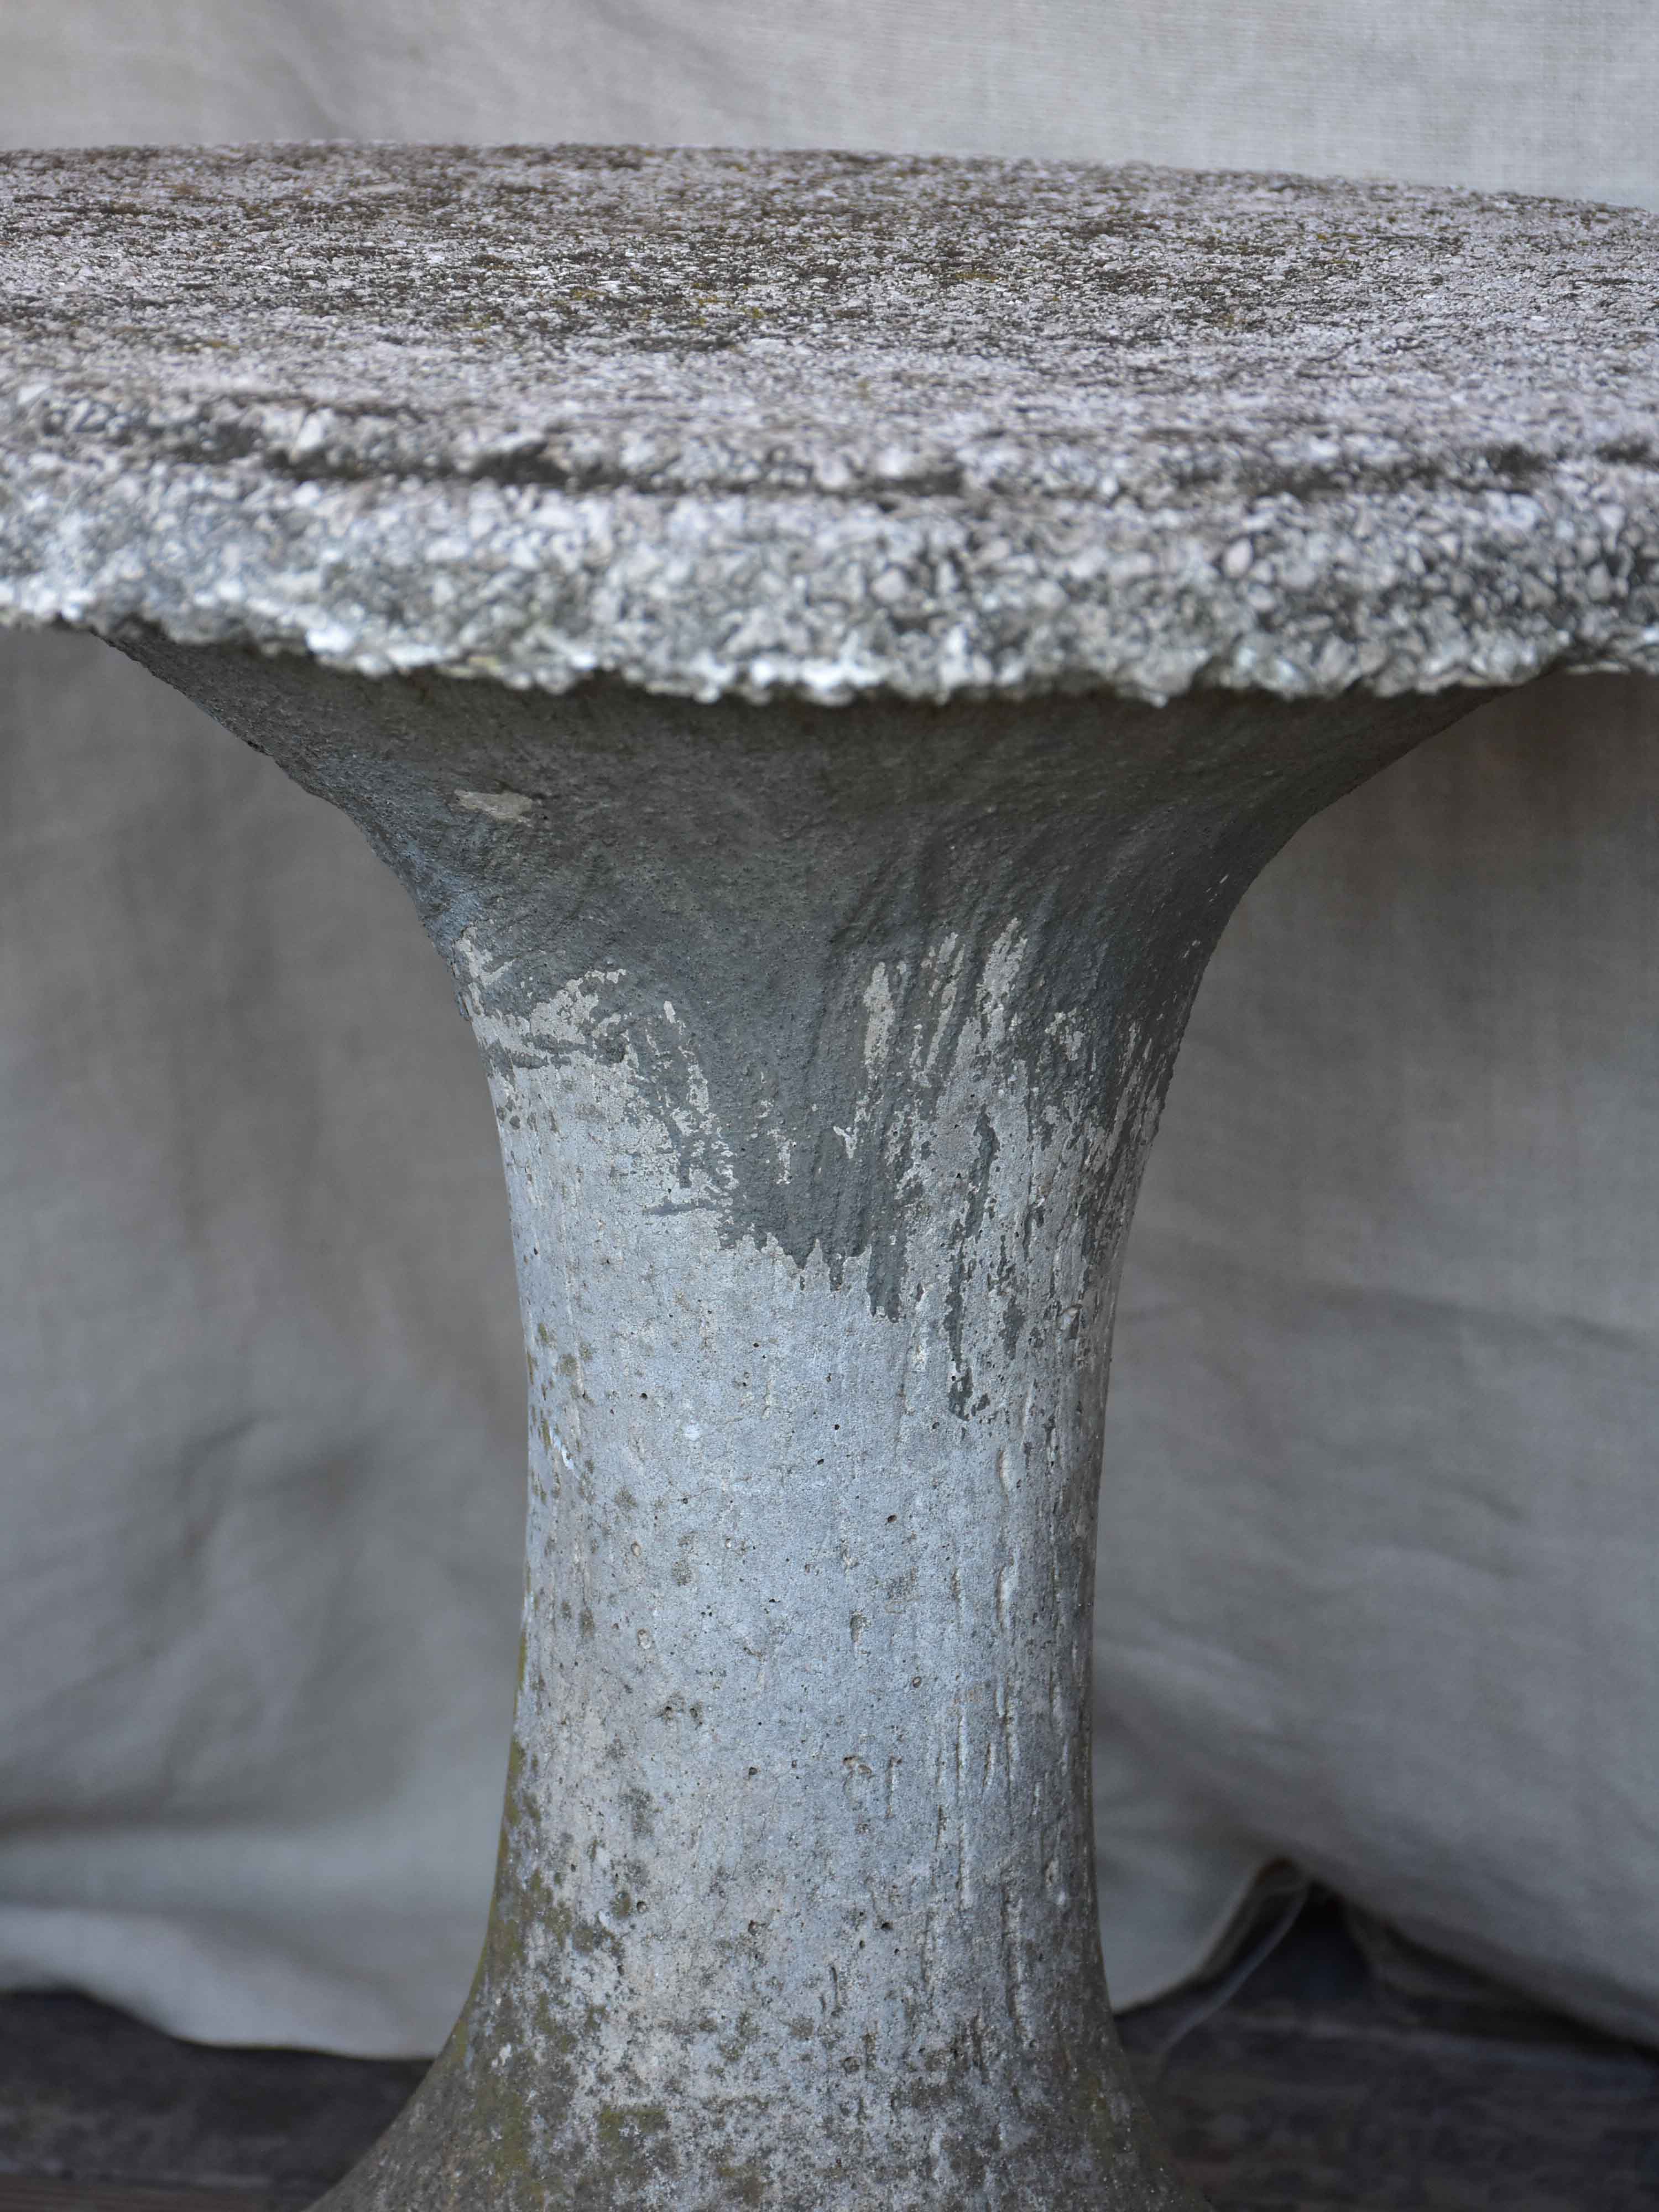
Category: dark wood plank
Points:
column 23, row 2192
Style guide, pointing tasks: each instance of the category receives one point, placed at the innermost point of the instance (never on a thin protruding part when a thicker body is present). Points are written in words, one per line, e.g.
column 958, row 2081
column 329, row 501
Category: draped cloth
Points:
column 1380, row 1507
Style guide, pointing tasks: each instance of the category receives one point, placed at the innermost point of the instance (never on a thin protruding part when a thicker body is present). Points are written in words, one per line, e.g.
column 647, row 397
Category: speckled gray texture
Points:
column 723, row 423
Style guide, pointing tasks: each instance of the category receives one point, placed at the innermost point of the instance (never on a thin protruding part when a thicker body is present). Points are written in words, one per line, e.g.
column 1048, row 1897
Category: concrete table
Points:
column 825, row 641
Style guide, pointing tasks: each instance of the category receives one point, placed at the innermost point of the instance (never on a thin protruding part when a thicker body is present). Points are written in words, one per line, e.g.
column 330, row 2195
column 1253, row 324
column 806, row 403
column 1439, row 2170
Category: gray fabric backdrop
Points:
column 1381, row 1500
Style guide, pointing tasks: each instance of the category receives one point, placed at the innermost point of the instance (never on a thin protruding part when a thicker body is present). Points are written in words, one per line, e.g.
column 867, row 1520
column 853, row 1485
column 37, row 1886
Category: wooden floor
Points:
column 23, row 2193
column 1343, row 2079
column 1343, row 2075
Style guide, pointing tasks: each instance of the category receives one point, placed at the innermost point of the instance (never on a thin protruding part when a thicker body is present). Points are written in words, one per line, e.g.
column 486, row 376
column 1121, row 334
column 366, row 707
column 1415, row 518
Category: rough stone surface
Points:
column 826, row 1041
column 722, row 423
column 826, row 1045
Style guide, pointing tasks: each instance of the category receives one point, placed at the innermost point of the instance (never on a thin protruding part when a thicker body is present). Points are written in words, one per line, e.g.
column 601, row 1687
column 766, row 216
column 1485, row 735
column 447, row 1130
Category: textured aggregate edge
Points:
column 707, row 598
column 1291, row 435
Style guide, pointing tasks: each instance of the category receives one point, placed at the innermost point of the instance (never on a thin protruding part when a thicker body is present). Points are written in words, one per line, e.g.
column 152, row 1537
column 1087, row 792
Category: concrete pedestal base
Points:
column 826, row 1045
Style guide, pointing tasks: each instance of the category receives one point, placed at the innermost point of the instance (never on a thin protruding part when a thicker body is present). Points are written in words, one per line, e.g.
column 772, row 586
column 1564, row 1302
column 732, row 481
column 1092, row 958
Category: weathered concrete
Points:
column 721, row 422
column 826, row 1040
column 826, row 1045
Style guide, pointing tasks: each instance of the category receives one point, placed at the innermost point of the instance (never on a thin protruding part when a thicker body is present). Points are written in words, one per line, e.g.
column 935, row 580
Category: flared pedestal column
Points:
column 825, row 1045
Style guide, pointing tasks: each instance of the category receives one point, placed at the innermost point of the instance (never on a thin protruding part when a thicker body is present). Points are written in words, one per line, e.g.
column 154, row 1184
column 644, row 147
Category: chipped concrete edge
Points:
column 536, row 601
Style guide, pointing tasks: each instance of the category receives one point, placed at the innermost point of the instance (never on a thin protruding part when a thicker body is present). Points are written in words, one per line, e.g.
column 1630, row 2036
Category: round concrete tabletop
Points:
column 825, row 423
